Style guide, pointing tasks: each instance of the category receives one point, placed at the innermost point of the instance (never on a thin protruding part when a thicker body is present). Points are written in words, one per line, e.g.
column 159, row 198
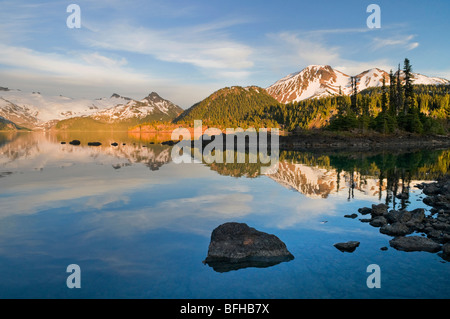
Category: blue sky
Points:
column 185, row 50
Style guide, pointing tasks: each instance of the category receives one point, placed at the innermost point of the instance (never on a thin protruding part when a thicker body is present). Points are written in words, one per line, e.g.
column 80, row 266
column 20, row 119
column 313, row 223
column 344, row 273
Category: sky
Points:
column 186, row 50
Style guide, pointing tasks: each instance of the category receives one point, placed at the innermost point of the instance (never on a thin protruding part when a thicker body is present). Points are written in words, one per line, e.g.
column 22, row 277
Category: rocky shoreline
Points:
column 415, row 230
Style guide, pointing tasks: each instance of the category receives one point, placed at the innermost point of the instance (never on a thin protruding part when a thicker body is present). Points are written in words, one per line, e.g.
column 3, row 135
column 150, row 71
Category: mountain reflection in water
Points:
column 383, row 175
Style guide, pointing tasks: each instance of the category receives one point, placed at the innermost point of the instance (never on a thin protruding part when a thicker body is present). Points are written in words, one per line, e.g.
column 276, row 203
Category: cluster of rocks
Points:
column 432, row 231
column 78, row 142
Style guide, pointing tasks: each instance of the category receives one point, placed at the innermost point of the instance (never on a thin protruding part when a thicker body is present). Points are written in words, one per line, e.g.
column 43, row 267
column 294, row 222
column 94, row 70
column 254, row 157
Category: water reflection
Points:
column 226, row 266
column 387, row 176
column 46, row 149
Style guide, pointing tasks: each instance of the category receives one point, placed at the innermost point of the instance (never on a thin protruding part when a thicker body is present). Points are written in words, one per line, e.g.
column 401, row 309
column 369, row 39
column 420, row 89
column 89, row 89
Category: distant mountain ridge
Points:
column 317, row 81
column 228, row 106
column 7, row 125
column 152, row 105
column 36, row 111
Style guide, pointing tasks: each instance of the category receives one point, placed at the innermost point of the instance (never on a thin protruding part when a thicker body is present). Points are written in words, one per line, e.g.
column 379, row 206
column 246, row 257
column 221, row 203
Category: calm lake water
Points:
column 139, row 225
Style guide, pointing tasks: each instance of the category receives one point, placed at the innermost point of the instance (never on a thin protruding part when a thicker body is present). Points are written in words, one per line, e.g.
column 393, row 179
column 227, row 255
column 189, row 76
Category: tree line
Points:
column 399, row 106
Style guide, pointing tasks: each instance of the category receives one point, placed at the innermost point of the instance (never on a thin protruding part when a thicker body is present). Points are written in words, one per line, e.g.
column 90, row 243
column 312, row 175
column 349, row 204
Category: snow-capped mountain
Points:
column 152, row 105
column 322, row 80
column 35, row 110
column 313, row 81
column 423, row 79
column 370, row 78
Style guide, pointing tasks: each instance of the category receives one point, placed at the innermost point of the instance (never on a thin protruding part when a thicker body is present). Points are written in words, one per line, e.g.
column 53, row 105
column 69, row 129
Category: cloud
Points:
column 300, row 49
column 89, row 74
column 205, row 46
column 90, row 67
column 295, row 48
column 402, row 41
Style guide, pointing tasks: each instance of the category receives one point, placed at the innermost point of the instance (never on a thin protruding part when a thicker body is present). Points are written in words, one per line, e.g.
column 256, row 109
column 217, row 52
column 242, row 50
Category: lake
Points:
column 139, row 225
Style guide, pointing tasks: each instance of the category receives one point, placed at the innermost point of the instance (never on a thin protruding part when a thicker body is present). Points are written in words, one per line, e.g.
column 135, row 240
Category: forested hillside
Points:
column 229, row 107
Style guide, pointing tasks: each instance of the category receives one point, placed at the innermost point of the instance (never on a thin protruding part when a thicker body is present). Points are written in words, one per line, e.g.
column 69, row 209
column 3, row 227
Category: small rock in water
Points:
column 415, row 243
column 378, row 221
column 353, row 216
column 94, row 143
column 170, row 143
column 75, row 142
column 395, row 229
column 349, row 246
column 114, row 144
column 365, row 210
column 379, row 210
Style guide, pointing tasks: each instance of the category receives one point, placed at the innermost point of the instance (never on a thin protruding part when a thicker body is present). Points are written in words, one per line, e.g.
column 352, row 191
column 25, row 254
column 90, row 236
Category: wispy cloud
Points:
column 206, row 46
column 299, row 49
column 89, row 73
column 405, row 42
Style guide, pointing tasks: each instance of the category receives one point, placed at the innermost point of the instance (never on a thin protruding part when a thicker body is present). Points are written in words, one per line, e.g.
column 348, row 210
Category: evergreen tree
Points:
column 354, row 106
column 392, row 94
column 384, row 99
column 408, row 88
column 341, row 103
column 399, row 92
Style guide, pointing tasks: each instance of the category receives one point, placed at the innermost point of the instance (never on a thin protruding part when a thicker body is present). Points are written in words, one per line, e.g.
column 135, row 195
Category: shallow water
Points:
column 139, row 225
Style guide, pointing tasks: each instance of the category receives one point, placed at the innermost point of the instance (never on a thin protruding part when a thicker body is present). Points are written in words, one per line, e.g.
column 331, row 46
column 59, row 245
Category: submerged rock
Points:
column 236, row 245
column 349, row 246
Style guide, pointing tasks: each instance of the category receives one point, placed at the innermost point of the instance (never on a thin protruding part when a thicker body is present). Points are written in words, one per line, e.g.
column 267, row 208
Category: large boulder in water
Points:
column 236, row 245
